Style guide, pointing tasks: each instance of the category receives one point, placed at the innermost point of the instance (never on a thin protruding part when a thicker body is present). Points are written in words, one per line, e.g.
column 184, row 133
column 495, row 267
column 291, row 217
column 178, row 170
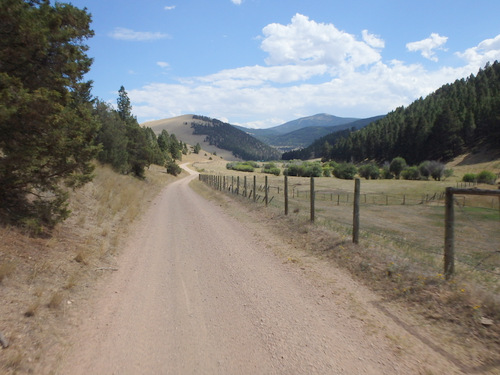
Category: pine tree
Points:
column 47, row 129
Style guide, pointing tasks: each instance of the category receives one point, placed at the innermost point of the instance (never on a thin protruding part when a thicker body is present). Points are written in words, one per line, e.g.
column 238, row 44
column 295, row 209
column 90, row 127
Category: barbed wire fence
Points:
column 415, row 222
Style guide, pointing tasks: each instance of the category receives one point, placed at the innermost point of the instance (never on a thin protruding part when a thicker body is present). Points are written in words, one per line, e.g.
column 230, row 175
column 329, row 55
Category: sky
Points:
column 261, row 63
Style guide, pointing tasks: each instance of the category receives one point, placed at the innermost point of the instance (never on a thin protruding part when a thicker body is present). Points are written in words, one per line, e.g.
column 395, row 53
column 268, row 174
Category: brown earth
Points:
column 197, row 291
column 199, row 288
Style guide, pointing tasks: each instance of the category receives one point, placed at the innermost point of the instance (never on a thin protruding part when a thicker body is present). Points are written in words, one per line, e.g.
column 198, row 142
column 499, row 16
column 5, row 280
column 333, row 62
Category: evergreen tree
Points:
column 46, row 127
column 112, row 137
column 197, row 148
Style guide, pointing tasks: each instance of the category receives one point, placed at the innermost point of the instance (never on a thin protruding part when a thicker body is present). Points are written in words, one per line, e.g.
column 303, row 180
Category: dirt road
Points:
column 197, row 292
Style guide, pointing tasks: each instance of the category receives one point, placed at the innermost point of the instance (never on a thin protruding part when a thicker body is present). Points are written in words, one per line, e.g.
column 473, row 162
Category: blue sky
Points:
column 260, row 63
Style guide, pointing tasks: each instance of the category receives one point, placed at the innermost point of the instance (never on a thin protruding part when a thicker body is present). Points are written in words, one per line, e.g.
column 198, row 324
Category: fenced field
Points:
column 407, row 215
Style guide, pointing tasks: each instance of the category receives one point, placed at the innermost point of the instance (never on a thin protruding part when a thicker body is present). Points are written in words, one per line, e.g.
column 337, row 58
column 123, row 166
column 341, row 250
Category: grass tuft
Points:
column 56, row 300
column 6, row 269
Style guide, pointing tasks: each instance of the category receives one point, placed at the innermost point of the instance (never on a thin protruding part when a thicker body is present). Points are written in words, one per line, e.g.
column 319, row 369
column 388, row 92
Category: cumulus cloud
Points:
column 122, row 33
column 259, row 75
column 428, row 46
column 372, row 40
column 486, row 51
column 307, row 42
column 311, row 68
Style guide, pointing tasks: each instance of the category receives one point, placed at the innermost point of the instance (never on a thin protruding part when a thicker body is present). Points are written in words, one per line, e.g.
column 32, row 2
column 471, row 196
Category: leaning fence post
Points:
column 312, row 199
column 286, row 195
column 355, row 223
column 449, row 234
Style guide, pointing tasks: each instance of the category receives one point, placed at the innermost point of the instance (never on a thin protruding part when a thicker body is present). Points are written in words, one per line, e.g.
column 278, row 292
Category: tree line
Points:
column 51, row 127
column 130, row 148
column 456, row 118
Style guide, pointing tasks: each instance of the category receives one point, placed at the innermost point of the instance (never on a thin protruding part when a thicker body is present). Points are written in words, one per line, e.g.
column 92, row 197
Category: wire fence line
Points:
column 415, row 222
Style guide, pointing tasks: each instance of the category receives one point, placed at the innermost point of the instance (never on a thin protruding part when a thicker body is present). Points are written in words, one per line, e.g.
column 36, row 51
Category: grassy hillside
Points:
column 181, row 127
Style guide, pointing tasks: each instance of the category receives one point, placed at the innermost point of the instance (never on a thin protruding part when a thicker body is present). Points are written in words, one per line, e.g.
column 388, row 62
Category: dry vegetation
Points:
column 400, row 253
column 43, row 279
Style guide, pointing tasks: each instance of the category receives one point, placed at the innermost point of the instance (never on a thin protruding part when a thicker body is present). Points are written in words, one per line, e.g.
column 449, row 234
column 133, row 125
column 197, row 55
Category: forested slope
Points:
column 456, row 118
column 228, row 137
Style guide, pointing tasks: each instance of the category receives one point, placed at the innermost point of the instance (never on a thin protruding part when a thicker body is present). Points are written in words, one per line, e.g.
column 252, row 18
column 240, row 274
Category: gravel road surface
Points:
column 198, row 292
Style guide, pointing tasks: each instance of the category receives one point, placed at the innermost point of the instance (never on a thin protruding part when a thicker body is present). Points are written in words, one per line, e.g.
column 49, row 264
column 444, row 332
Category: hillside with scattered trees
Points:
column 227, row 137
column 457, row 118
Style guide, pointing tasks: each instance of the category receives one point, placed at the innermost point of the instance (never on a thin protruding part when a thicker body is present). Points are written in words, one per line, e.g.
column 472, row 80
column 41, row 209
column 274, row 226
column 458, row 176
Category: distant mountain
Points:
column 304, row 131
column 334, row 133
column 319, row 120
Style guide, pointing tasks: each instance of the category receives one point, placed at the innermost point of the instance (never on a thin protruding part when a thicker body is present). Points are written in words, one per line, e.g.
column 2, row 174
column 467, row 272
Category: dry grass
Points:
column 400, row 255
column 41, row 278
column 6, row 269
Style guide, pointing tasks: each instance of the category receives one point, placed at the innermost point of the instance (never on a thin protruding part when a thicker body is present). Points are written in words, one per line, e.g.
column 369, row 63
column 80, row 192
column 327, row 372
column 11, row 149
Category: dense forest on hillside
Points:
column 456, row 118
column 321, row 146
column 227, row 137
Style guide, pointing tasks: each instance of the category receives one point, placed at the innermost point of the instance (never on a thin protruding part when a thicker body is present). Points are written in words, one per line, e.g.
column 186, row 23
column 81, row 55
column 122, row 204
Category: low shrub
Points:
column 173, row 168
column 241, row 166
column 271, row 168
column 486, row 177
column 345, row 171
column 306, row 169
column 369, row 171
column 410, row 173
column 469, row 177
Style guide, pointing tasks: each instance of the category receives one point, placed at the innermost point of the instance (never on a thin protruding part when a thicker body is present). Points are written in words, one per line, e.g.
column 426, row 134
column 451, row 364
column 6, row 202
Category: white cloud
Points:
column 307, row 42
column 258, row 75
column 378, row 90
column 312, row 68
column 122, row 33
column 372, row 40
column 169, row 7
column 487, row 50
column 428, row 46
column 163, row 64
column 237, row 2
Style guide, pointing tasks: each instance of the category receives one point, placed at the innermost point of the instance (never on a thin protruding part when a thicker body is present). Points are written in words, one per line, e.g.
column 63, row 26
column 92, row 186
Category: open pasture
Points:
column 404, row 220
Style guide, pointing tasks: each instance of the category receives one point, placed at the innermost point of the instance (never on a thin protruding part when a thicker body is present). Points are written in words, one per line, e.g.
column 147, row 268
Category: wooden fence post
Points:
column 265, row 188
column 355, row 223
column 245, row 186
column 254, row 188
column 449, row 235
column 286, row 195
column 238, row 185
column 312, row 200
